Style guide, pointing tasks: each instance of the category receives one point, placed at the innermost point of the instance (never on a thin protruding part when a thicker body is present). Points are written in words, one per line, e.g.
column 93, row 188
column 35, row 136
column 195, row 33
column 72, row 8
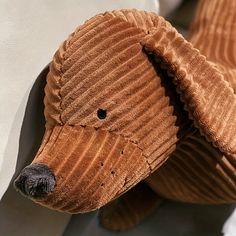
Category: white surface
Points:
column 30, row 32
column 229, row 228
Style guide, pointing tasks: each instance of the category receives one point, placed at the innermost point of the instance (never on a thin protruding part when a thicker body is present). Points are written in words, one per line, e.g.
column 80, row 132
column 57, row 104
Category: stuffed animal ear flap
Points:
column 208, row 98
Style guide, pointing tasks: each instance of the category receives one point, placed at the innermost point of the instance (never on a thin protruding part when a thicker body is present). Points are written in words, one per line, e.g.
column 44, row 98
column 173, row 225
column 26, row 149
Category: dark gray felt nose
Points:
column 35, row 181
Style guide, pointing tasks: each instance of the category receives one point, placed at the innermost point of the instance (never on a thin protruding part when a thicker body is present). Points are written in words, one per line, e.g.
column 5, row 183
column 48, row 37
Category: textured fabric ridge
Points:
column 198, row 172
column 148, row 81
column 102, row 65
column 198, row 93
column 121, row 72
column 96, row 147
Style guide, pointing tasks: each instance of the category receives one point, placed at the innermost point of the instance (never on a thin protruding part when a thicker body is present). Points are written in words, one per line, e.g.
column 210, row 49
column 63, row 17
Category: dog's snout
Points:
column 35, row 181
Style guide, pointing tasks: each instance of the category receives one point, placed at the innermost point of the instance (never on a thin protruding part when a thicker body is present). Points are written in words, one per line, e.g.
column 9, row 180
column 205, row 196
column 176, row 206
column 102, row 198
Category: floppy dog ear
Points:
column 208, row 98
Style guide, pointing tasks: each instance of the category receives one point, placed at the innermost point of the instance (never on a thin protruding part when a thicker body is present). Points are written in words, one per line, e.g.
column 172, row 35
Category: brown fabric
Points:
column 197, row 171
column 136, row 67
column 213, row 32
column 130, row 209
column 90, row 165
column 102, row 65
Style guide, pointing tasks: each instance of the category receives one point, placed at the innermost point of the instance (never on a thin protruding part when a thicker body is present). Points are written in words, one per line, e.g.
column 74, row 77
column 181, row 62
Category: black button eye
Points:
column 102, row 114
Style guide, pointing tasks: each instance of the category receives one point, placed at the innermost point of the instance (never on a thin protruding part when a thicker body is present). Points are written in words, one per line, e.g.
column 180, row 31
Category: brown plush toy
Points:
column 128, row 96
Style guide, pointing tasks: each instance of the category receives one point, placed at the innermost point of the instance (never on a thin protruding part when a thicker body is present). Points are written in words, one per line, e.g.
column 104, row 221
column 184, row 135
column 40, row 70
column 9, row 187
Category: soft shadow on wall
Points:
column 19, row 215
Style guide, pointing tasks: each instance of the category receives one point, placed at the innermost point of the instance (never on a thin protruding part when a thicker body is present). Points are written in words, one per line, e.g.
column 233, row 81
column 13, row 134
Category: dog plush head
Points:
column 113, row 113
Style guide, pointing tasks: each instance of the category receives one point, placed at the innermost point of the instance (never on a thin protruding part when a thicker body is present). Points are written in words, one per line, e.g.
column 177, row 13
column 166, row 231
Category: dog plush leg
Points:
column 130, row 209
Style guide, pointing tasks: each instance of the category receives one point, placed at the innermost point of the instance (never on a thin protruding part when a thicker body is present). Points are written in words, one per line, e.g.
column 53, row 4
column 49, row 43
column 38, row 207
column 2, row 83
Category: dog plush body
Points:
column 129, row 99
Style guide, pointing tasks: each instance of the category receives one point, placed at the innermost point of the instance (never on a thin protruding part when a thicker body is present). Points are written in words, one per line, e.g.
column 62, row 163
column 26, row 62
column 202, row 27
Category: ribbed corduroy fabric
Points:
column 149, row 80
column 102, row 65
column 197, row 171
column 215, row 24
column 129, row 209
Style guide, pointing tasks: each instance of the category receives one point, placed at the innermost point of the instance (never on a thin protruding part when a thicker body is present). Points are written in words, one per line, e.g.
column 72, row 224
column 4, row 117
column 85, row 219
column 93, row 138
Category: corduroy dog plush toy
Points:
column 127, row 99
